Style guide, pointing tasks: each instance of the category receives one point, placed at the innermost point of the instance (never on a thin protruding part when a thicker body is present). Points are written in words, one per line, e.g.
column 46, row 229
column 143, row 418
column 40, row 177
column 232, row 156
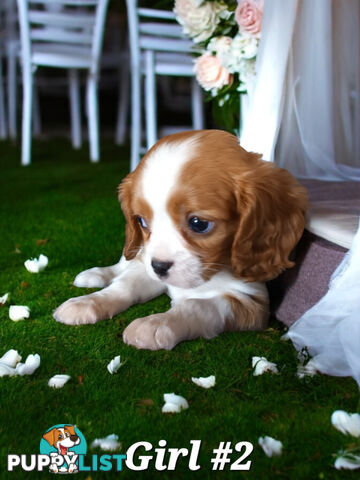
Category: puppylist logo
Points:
column 62, row 450
column 63, row 444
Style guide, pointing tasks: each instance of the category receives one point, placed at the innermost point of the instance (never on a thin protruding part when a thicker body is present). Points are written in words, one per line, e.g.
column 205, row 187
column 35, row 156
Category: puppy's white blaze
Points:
column 162, row 170
column 159, row 179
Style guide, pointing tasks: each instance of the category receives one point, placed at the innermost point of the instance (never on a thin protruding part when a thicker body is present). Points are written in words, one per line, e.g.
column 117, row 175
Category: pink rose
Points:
column 248, row 15
column 210, row 73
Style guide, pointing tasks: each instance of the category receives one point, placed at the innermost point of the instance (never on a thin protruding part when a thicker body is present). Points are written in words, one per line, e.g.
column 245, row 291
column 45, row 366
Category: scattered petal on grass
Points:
column 308, row 370
column 36, row 265
column 270, row 446
column 31, row 364
column 58, row 381
column 114, row 365
column 347, row 461
column 346, row 423
column 19, row 312
column 6, row 370
column 174, row 403
column 11, row 358
column 108, row 444
column 261, row 365
column 4, row 298
column 204, row 382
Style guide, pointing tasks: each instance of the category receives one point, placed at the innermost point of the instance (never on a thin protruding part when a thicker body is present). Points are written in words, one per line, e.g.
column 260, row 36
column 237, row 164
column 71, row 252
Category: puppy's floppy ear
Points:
column 50, row 436
column 133, row 237
column 70, row 429
column 271, row 206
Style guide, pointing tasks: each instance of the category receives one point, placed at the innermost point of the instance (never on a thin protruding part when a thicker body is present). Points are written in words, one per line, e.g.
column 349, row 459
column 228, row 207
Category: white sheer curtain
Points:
column 304, row 107
column 330, row 330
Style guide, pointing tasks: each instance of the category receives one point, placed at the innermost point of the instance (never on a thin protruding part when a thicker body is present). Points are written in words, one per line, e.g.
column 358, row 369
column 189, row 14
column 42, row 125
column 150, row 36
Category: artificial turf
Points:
column 67, row 208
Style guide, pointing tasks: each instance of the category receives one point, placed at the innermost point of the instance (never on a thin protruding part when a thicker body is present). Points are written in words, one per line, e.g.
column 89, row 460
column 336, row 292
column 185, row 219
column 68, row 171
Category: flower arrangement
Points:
column 226, row 34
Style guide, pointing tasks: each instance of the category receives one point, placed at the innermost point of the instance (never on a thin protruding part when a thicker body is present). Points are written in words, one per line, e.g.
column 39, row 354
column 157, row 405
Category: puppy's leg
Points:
column 132, row 285
column 193, row 318
column 100, row 277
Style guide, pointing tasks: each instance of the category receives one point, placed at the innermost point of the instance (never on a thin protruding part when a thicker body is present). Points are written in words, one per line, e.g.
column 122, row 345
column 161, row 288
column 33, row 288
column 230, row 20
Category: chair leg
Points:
column 12, row 94
column 75, row 107
column 135, row 116
column 197, row 106
column 150, row 99
column 36, row 111
column 27, row 119
column 93, row 117
column 123, row 106
column 3, row 126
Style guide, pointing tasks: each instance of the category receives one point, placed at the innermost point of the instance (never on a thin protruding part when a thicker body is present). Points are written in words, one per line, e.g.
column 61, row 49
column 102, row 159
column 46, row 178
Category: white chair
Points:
column 11, row 49
column 62, row 34
column 5, row 35
column 157, row 47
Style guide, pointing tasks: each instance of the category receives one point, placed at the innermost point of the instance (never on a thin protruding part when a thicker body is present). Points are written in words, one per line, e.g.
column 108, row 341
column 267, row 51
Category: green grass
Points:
column 71, row 205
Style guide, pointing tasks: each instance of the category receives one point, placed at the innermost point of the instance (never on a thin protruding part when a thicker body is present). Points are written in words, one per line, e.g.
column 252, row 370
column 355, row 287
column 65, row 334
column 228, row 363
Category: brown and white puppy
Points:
column 206, row 222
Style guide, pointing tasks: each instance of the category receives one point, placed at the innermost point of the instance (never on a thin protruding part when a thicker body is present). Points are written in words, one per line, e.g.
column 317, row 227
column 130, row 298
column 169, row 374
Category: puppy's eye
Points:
column 200, row 226
column 142, row 222
column 60, row 437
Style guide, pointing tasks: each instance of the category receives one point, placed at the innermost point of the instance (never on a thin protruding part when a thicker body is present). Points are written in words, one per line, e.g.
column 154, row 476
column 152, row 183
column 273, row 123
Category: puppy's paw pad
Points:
column 76, row 311
column 91, row 278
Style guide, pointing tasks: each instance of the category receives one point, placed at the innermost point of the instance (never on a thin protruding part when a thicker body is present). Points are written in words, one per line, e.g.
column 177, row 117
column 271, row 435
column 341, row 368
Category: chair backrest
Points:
column 151, row 29
column 71, row 23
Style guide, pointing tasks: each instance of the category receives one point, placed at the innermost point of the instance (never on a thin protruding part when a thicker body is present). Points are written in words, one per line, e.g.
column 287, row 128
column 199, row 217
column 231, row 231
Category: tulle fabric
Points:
column 331, row 329
column 304, row 105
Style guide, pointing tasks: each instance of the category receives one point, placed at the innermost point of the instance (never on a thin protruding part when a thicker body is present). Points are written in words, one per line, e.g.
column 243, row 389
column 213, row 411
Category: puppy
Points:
column 206, row 222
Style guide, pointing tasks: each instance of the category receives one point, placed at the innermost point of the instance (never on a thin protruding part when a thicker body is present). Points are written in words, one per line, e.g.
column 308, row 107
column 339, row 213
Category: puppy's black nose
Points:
column 161, row 268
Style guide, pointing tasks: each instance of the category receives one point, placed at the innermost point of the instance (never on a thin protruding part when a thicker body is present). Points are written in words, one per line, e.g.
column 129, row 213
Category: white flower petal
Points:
column 58, row 381
column 36, row 265
column 308, row 370
column 19, row 312
column 4, row 299
column 6, row 370
column 174, row 403
column 31, row 364
column 262, row 365
column 204, row 382
column 171, row 408
column 114, row 365
column 11, row 358
column 270, row 446
column 346, row 423
column 349, row 464
column 108, row 444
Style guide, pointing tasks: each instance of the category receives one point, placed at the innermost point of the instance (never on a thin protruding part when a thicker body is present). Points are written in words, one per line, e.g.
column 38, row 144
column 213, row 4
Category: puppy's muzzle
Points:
column 161, row 268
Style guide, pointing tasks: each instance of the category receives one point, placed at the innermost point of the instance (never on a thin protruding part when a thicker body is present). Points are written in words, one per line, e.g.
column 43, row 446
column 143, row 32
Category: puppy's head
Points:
column 199, row 203
column 62, row 438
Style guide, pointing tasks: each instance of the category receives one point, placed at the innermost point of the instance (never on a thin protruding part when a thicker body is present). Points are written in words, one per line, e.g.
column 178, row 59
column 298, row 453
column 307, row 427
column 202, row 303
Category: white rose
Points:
column 199, row 19
column 242, row 47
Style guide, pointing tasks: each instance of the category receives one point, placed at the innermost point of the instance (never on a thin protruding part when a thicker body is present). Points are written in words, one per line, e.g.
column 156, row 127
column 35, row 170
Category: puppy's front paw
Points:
column 151, row 333
column 92, row 278
column 78, row 311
